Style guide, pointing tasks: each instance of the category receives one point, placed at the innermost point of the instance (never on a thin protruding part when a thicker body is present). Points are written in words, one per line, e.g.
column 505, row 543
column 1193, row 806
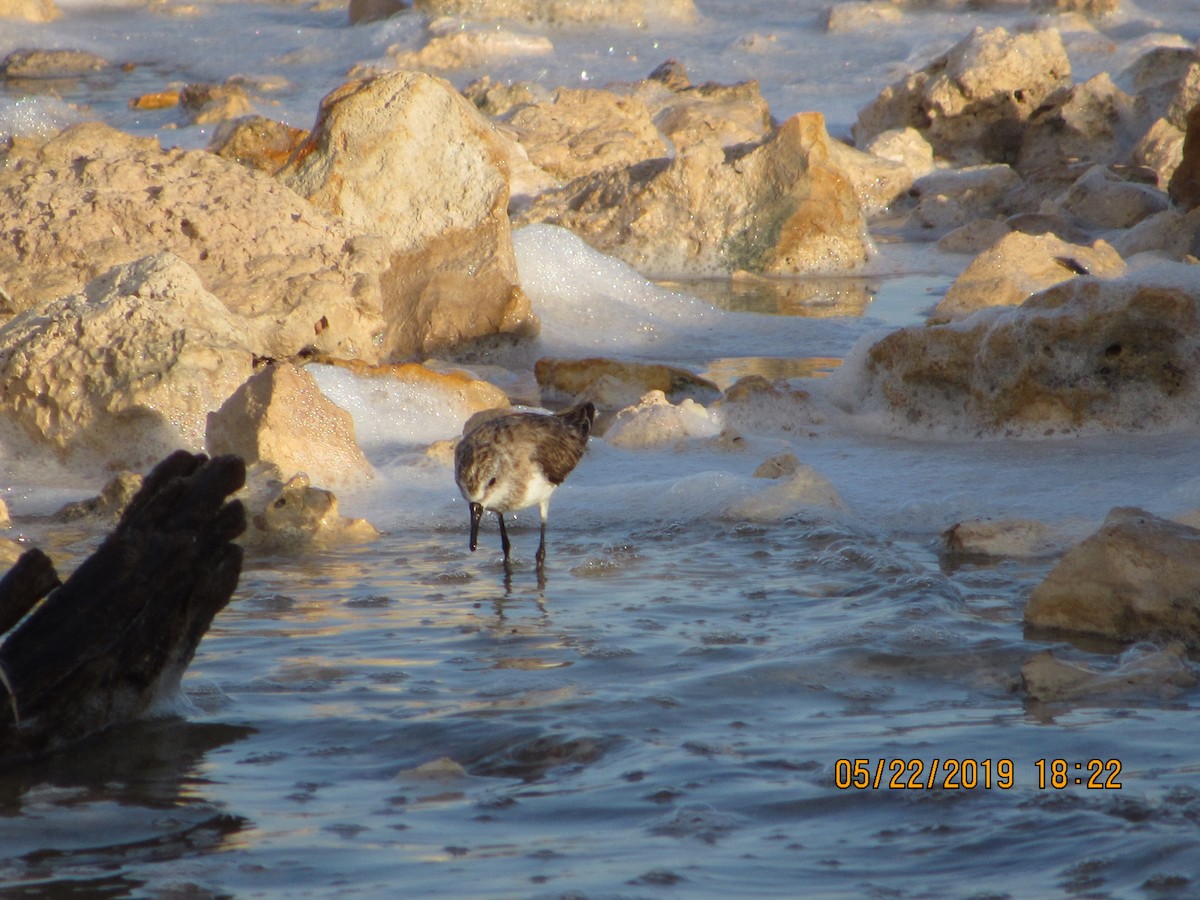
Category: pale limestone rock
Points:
column 688, row 114
column 5, row 518
column 279, row 416
column 878, row 182
column 295, row 517
column 29, row 10
column 125, row 372
column 1170, row 234
column 657, row 423
column 453, row 44
column 1085, row 356
column 629, row 13
column 451, row 389
column 950, row 198
column 1144, row 670
column 93, row 197
column 1018, row 266
column 494, row 98
column 584, row 131
column 406, row 156
column 10, row 550
column 859, row 15
column 796, row 487
column 781, row 207
column 1160, row 149
column 974, row 237
column 906, row 146
column 1093, row 121
column 614, row 384
column 36, row 64
column 1013, row 538
column 1136, row 578
column 1101, row 199
column 973, row 101
column 1094, row 8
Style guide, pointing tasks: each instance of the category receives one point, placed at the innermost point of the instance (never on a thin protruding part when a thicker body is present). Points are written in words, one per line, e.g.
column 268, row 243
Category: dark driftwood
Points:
column 121, row 631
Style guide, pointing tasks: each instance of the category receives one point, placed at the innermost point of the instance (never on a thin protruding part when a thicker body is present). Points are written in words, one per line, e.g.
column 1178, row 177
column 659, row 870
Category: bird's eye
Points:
column 491, row 484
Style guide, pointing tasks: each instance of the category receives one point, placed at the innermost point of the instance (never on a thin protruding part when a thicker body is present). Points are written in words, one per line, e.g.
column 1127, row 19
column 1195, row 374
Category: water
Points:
column 668, row 715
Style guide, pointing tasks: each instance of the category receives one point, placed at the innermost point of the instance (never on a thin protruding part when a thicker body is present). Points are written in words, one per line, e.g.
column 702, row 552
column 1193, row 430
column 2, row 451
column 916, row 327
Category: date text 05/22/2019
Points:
column 958, row 773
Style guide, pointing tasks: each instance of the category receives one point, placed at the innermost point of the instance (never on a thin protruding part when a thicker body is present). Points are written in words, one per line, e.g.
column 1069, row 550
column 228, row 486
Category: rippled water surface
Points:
column 693, row 705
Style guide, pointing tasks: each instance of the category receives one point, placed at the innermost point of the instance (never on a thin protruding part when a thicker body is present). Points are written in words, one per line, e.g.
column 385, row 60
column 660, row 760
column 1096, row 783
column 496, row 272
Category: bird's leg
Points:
column 503, row 535
column 544, row 510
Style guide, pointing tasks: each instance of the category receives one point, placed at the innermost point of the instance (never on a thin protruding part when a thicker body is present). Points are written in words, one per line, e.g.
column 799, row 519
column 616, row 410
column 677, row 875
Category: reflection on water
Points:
column 724, row 372
column 811, row 296
column 667, row 711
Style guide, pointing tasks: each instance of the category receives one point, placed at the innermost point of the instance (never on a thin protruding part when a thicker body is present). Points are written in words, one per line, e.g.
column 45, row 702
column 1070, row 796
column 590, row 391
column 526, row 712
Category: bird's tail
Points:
column 580, row 417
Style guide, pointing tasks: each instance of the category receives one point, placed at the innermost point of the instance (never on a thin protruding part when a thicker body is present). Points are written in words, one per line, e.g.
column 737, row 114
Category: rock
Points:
column 780, row 207
column 972, row 102
column 1184, row 186
column 496, row 98
column 256, row 142
column 452, row 389
column 116, row 494
column 860, row 15
column 204, row 104
column 29, row 10
column 584, row 131
column 754, row 404
column 1170, row 234
column 1085, row 356
column 377, row 159
column 688, row 114
column 115, row 639
column 950, row 198
column 1142, row 671
column 1018, row 266
column 1137, row 578
column 905, row 146
column 295, row 517
column 1102, row 199
column 5, row 518
column 1094, row 121
column 657, row 423
column 1165, row 80
column 452, row 44
column 1160, row 149
column 797, row 487
column 878, row 183
column 629, row 13
column 93, row 197
column 613, row 384
column 360, row 12
column 280, row 416
column 35, row 64
column 125, row 371
column 1012, row 538
column 975, row 237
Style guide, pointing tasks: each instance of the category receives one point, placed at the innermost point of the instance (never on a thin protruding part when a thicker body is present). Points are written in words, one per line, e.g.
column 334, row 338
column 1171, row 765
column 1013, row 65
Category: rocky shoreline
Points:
column 155, row 299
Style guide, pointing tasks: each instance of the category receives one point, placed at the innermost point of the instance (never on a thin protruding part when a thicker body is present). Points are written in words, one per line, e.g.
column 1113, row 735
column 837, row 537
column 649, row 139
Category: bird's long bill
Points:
column 476, row 515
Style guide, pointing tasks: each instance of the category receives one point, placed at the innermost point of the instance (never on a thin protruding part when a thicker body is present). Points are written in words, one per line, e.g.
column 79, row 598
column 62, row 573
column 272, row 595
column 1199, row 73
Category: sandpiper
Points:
column 517, row 460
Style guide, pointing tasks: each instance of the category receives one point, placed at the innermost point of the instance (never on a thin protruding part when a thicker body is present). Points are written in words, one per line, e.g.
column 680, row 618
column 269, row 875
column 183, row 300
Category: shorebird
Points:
column 516, row 460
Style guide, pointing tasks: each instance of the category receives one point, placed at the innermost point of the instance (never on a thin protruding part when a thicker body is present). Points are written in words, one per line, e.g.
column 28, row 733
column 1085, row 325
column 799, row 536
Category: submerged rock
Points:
column 612, row 384
column 1018, row 266
column 1142, row 671
column 92, row 197
column 377, row 159
column 108, row 505
column 1137, row 578
column 783, row 206
column 279, row 416
column 795, row 487
column 256, row 142
column 1014, row 538
column 972, row 103
column 125, row 371
column 1083, row 356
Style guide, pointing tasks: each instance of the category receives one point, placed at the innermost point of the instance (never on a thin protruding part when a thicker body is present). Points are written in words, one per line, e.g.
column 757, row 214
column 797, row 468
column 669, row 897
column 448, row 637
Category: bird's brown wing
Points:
column 559, row 450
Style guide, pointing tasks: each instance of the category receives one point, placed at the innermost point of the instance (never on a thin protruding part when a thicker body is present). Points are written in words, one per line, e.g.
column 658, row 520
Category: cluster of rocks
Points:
column 153, row 299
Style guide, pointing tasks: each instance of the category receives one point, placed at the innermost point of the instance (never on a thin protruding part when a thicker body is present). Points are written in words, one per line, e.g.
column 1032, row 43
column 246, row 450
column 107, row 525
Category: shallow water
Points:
column 668, row 715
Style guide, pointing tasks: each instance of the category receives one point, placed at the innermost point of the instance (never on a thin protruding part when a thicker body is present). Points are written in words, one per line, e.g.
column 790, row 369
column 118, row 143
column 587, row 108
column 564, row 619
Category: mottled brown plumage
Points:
column 517, row 460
